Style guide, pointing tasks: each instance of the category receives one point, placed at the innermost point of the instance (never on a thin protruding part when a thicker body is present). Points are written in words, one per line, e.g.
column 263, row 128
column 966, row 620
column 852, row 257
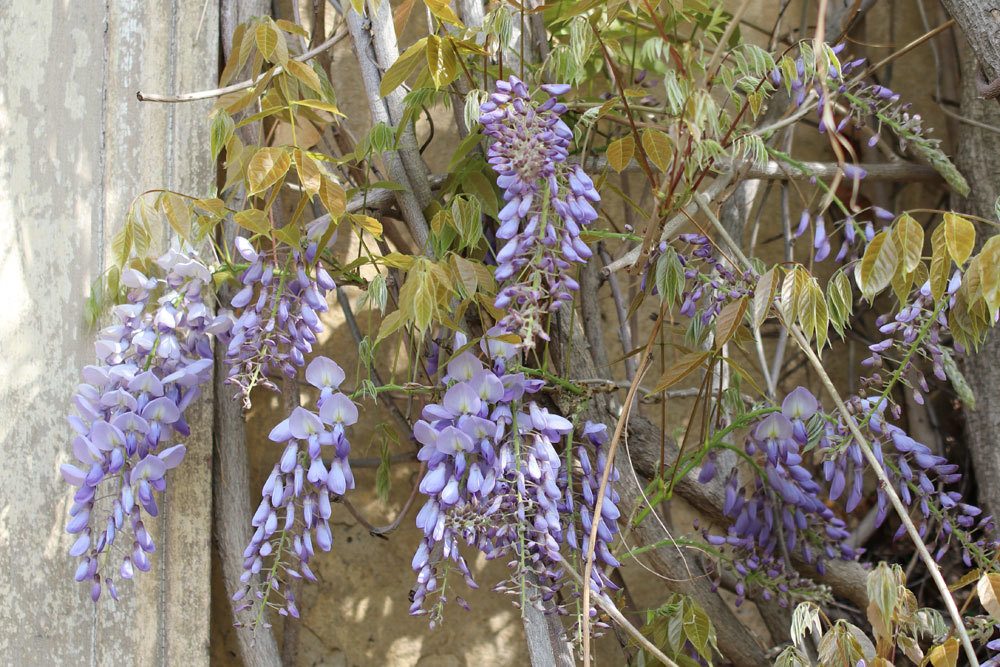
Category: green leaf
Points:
column 267, row 167
column 399, row 70
column 467, row 216
column 271, row 43
column 839, row 301
column 659, row 148
column 960, row 236
column 877, row 266
column 121, row 244
column 814, row 316
column 290, row 235
column 319, row 104
column 310, row 177
column 222, row 130
column 669, row 276
column 620, row 152
column 441, row 61
column 383, row 478
column 390, row 324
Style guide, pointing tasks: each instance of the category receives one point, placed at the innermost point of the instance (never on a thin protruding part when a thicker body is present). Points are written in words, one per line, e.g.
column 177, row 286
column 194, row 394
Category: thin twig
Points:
column 242, row 85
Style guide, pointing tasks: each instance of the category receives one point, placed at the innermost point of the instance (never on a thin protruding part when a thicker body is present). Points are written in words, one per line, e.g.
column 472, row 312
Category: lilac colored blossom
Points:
column 712, row 281
column 293, row 517
column 918, row 475
column 130, row 413
column 548, row 202
column 779, row 509
column 279, row 308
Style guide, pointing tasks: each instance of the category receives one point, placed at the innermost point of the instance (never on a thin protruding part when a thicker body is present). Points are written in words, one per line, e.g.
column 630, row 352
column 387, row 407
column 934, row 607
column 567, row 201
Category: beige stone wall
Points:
column 75, row 148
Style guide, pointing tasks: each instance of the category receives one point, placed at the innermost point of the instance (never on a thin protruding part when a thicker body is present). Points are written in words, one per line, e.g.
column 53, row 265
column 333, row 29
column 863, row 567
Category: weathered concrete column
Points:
column 75, row 148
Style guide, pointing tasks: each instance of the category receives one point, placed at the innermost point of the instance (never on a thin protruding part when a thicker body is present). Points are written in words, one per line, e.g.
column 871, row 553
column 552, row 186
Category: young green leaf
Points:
column 404, row 65
column 960, row 235
column 658, row 147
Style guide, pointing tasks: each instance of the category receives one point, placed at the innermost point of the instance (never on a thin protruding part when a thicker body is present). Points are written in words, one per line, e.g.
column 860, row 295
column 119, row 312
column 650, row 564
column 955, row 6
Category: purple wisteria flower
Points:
column 295, row 506
column 492, row 478
column 278, row 321
column 585, row 501
column 779, row 510
column 712, row 281
column 548, row 202
column 919, row 476
column 131, row 412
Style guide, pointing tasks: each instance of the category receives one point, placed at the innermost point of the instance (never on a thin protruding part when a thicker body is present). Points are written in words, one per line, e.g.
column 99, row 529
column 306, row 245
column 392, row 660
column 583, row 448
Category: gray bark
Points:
column 978, row 158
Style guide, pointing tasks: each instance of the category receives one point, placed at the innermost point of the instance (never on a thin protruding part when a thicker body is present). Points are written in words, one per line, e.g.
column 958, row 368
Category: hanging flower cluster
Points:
column 714, row 280
column 279, row 316
column 779, row 510
column 582, row 504
column 295, row 506
column 130, row 415
column 913, row 318
column 491, row 481
column 918, row 475
column 548, row 202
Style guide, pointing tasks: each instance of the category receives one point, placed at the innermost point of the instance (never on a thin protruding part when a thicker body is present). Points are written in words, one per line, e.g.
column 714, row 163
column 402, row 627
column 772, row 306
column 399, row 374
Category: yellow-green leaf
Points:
column 876, row 268
column 940, row 262
column 443, row 11
column 960, row 235
column 814, row 316
column 293, row 28
column 729, row 320
column 310, row 177
column 620, row 152
column 267, row 167
column 319, row 104
column 990, row 257
column 305, row 74
column 658, row 147
column 333, row 197
column 944, row 655
column 271, row 43
column 791, row 293
column 390, row 324
column 683, row 367
column 178, row 214
column 253, row 219
column 367, row 223
column 399, row 70
column 441, row 61
column 989, row 594
column 763, row 297
column 909, row 238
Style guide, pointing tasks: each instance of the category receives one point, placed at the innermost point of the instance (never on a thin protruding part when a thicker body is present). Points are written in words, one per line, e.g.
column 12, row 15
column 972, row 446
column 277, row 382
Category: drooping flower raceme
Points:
column 130, row 416
column 780, row 508
column 295, row 508
column 548, row 202
column 582, row 507
column 491, row 479
column 278, row 320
